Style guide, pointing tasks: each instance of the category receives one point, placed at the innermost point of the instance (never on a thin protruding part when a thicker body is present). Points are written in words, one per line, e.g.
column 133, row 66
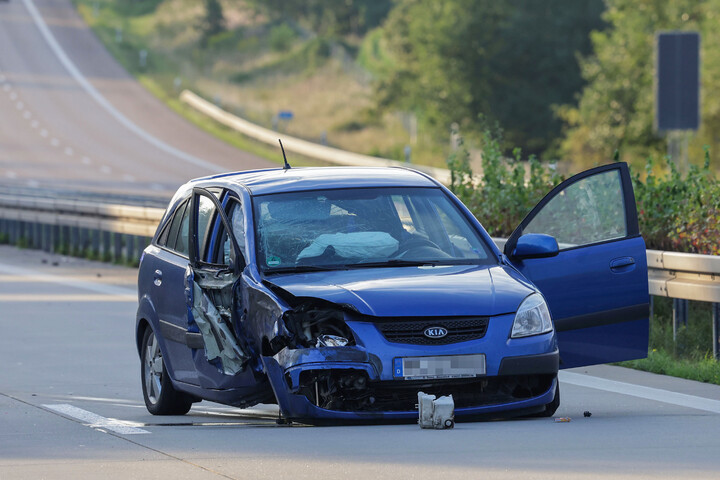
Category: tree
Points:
column 213, row 22
column 616, row 107
column 510, row 62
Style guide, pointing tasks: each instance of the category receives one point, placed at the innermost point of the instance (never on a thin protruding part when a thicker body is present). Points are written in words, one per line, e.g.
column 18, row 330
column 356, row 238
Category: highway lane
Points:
column 69, row 345
column 71, row 116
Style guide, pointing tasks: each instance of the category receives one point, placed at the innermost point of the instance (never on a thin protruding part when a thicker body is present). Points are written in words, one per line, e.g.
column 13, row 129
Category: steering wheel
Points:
column 416, row 241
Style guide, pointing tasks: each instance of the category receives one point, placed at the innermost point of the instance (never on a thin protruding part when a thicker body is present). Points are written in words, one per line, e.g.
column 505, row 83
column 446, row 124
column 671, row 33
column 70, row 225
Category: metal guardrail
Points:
column 98, row 230
column 302, row 147
column 119, row 232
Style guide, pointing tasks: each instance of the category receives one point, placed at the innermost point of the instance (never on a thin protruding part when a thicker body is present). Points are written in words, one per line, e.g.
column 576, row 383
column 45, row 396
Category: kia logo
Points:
column 435, row 332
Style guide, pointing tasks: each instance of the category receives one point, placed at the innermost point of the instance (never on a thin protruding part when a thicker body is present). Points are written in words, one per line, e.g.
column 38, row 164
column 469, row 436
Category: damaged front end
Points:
column 332, row 363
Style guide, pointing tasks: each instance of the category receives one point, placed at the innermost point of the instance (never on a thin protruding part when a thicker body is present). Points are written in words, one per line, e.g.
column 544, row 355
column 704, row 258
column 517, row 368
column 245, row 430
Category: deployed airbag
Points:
column 353, row 245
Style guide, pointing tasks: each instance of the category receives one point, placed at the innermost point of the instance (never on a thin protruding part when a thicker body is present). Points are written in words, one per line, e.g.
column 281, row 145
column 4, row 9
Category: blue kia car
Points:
column 339, row 293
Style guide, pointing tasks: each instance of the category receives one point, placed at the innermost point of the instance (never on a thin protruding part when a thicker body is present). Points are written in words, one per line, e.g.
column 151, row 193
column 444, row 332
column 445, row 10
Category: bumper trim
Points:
column 545, row 363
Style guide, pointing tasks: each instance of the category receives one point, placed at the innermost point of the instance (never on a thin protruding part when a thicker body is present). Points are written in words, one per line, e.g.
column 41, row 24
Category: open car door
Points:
column 595, row 277
column 216, row 262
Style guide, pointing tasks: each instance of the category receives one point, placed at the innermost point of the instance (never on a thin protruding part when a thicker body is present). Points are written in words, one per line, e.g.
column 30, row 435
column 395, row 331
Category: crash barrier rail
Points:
column 104, row 231
column 121, row 232
column 302, row 147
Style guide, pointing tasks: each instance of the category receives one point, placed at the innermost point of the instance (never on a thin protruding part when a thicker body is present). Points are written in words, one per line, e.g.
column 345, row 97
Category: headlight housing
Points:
column 532, row 318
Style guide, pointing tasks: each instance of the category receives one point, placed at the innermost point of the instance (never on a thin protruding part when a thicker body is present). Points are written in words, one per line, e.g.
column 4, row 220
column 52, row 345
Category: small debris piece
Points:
column 587, row 414
column 55, row 264
column 44, row 260
column 562, row 419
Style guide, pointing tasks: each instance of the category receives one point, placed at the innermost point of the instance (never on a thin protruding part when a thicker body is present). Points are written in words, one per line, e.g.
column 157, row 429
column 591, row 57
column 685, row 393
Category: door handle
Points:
column 157, row 278
column 622, row 264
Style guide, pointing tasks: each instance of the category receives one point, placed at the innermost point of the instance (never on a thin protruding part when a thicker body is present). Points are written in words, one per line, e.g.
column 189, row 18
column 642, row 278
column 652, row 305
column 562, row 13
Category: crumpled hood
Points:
column 458, row 290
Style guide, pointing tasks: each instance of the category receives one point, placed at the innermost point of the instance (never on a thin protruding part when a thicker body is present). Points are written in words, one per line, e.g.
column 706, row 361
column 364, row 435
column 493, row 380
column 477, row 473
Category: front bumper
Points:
column 349, row 384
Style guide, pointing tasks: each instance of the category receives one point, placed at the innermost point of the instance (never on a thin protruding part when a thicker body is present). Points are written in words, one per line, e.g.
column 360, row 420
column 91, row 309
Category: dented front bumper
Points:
column 357, row 383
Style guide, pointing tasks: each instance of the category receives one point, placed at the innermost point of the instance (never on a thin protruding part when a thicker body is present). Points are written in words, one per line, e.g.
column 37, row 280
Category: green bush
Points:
column 680, row 212
column 501, row 198
column 676, row 212
column 282, row 37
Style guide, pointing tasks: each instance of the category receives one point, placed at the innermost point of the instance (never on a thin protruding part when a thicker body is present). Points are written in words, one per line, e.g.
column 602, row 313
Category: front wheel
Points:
column 160, row 396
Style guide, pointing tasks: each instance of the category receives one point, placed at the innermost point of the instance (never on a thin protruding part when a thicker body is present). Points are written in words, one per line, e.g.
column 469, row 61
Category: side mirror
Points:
column 535, row 245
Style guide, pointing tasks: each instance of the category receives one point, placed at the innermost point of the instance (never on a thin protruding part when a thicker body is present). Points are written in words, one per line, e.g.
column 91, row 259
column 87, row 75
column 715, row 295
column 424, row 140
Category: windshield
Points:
column 363, row 228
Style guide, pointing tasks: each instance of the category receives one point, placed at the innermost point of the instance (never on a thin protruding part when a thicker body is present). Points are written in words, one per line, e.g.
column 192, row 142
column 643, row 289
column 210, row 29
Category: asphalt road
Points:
column 71, row 117
column 71, row 407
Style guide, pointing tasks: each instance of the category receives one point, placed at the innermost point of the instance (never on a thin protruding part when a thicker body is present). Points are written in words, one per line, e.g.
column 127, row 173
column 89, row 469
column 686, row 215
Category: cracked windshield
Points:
column 363, row 228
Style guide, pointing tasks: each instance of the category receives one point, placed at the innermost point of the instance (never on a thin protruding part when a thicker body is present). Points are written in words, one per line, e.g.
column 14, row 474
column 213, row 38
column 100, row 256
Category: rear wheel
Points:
column 160, row 396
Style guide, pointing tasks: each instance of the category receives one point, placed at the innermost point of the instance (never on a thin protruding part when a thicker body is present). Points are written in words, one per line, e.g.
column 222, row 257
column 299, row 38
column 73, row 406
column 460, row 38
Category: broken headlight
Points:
column 318, row 325
column 532, row 318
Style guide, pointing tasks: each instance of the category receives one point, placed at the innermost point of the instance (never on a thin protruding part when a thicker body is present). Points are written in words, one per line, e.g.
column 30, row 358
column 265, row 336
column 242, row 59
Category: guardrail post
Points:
column 37, row 235
column 106, row 245
column 716, row 330
column 95, row 243
column 117, row 247
column 12, row 228
column 55, row 229
column 680, row 310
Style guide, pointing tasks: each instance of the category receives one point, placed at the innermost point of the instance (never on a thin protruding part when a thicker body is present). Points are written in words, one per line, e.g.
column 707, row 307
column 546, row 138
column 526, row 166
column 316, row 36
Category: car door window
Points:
column 206, row 213
column 172, row 235
column 237, row 219
column 589, row 211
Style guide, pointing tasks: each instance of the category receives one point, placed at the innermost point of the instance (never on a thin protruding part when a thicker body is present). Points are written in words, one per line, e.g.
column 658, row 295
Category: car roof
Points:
column 278, row 180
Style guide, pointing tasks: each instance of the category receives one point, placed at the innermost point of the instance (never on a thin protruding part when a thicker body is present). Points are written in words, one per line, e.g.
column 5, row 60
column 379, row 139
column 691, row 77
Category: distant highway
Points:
column 71, row 117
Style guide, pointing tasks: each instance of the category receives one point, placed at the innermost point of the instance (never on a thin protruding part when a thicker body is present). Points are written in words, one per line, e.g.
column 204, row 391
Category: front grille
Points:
column 459, row 330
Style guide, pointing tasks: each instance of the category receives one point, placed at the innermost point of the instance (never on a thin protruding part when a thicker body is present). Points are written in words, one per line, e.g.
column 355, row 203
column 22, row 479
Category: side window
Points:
column 237, row 219
column 206, row 213
column 182, row 239
column 588, row 211
column 169, row 236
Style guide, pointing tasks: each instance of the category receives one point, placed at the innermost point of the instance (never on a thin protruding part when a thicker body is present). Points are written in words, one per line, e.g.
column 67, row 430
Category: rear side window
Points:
column 175, row 234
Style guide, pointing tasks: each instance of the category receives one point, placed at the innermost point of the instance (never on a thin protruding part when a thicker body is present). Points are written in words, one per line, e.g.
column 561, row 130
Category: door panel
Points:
column 223, row 360
column 596, row 286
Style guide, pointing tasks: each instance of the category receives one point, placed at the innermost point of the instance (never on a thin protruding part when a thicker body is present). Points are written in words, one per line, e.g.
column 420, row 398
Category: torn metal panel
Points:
column 220, row 342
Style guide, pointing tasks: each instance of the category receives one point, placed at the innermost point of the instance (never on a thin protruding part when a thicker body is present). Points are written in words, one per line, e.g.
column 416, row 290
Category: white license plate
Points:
column 446, row 366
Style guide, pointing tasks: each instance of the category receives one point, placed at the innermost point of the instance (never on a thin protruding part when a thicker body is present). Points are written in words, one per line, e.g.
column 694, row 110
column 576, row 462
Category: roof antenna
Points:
column 287, row 165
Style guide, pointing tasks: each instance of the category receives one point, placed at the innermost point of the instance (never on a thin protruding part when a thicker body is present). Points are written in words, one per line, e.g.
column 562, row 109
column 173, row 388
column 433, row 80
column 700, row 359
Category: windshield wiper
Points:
column 395, row 262
column 305, row 268
column 399, row 262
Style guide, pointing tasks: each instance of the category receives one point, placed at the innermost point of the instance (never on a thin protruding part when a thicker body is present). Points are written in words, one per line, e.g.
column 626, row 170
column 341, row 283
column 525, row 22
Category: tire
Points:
column 160, row 396
column 551, row 407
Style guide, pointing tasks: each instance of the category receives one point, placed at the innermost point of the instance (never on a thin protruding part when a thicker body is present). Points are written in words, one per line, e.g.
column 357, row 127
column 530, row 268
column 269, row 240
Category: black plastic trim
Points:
column 544, row 363
column 606, row 317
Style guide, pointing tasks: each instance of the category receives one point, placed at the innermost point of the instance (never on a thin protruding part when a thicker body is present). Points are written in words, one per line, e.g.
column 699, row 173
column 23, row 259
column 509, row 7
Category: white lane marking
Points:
column 128, row 178
column 10, row 174
column 27, row 115
column 102, row 101
column 32, row 183
column 55, row 142
column 2, row 78
column 20, row 105
column 96, row 421
column 69, row 151
column 35, row 124
column 43, row 133
column 13, row 96
column 648, row 393
column 69, row 282
column 105, row 169
column 62, row 297
column 7, row 87
column 86, row 161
